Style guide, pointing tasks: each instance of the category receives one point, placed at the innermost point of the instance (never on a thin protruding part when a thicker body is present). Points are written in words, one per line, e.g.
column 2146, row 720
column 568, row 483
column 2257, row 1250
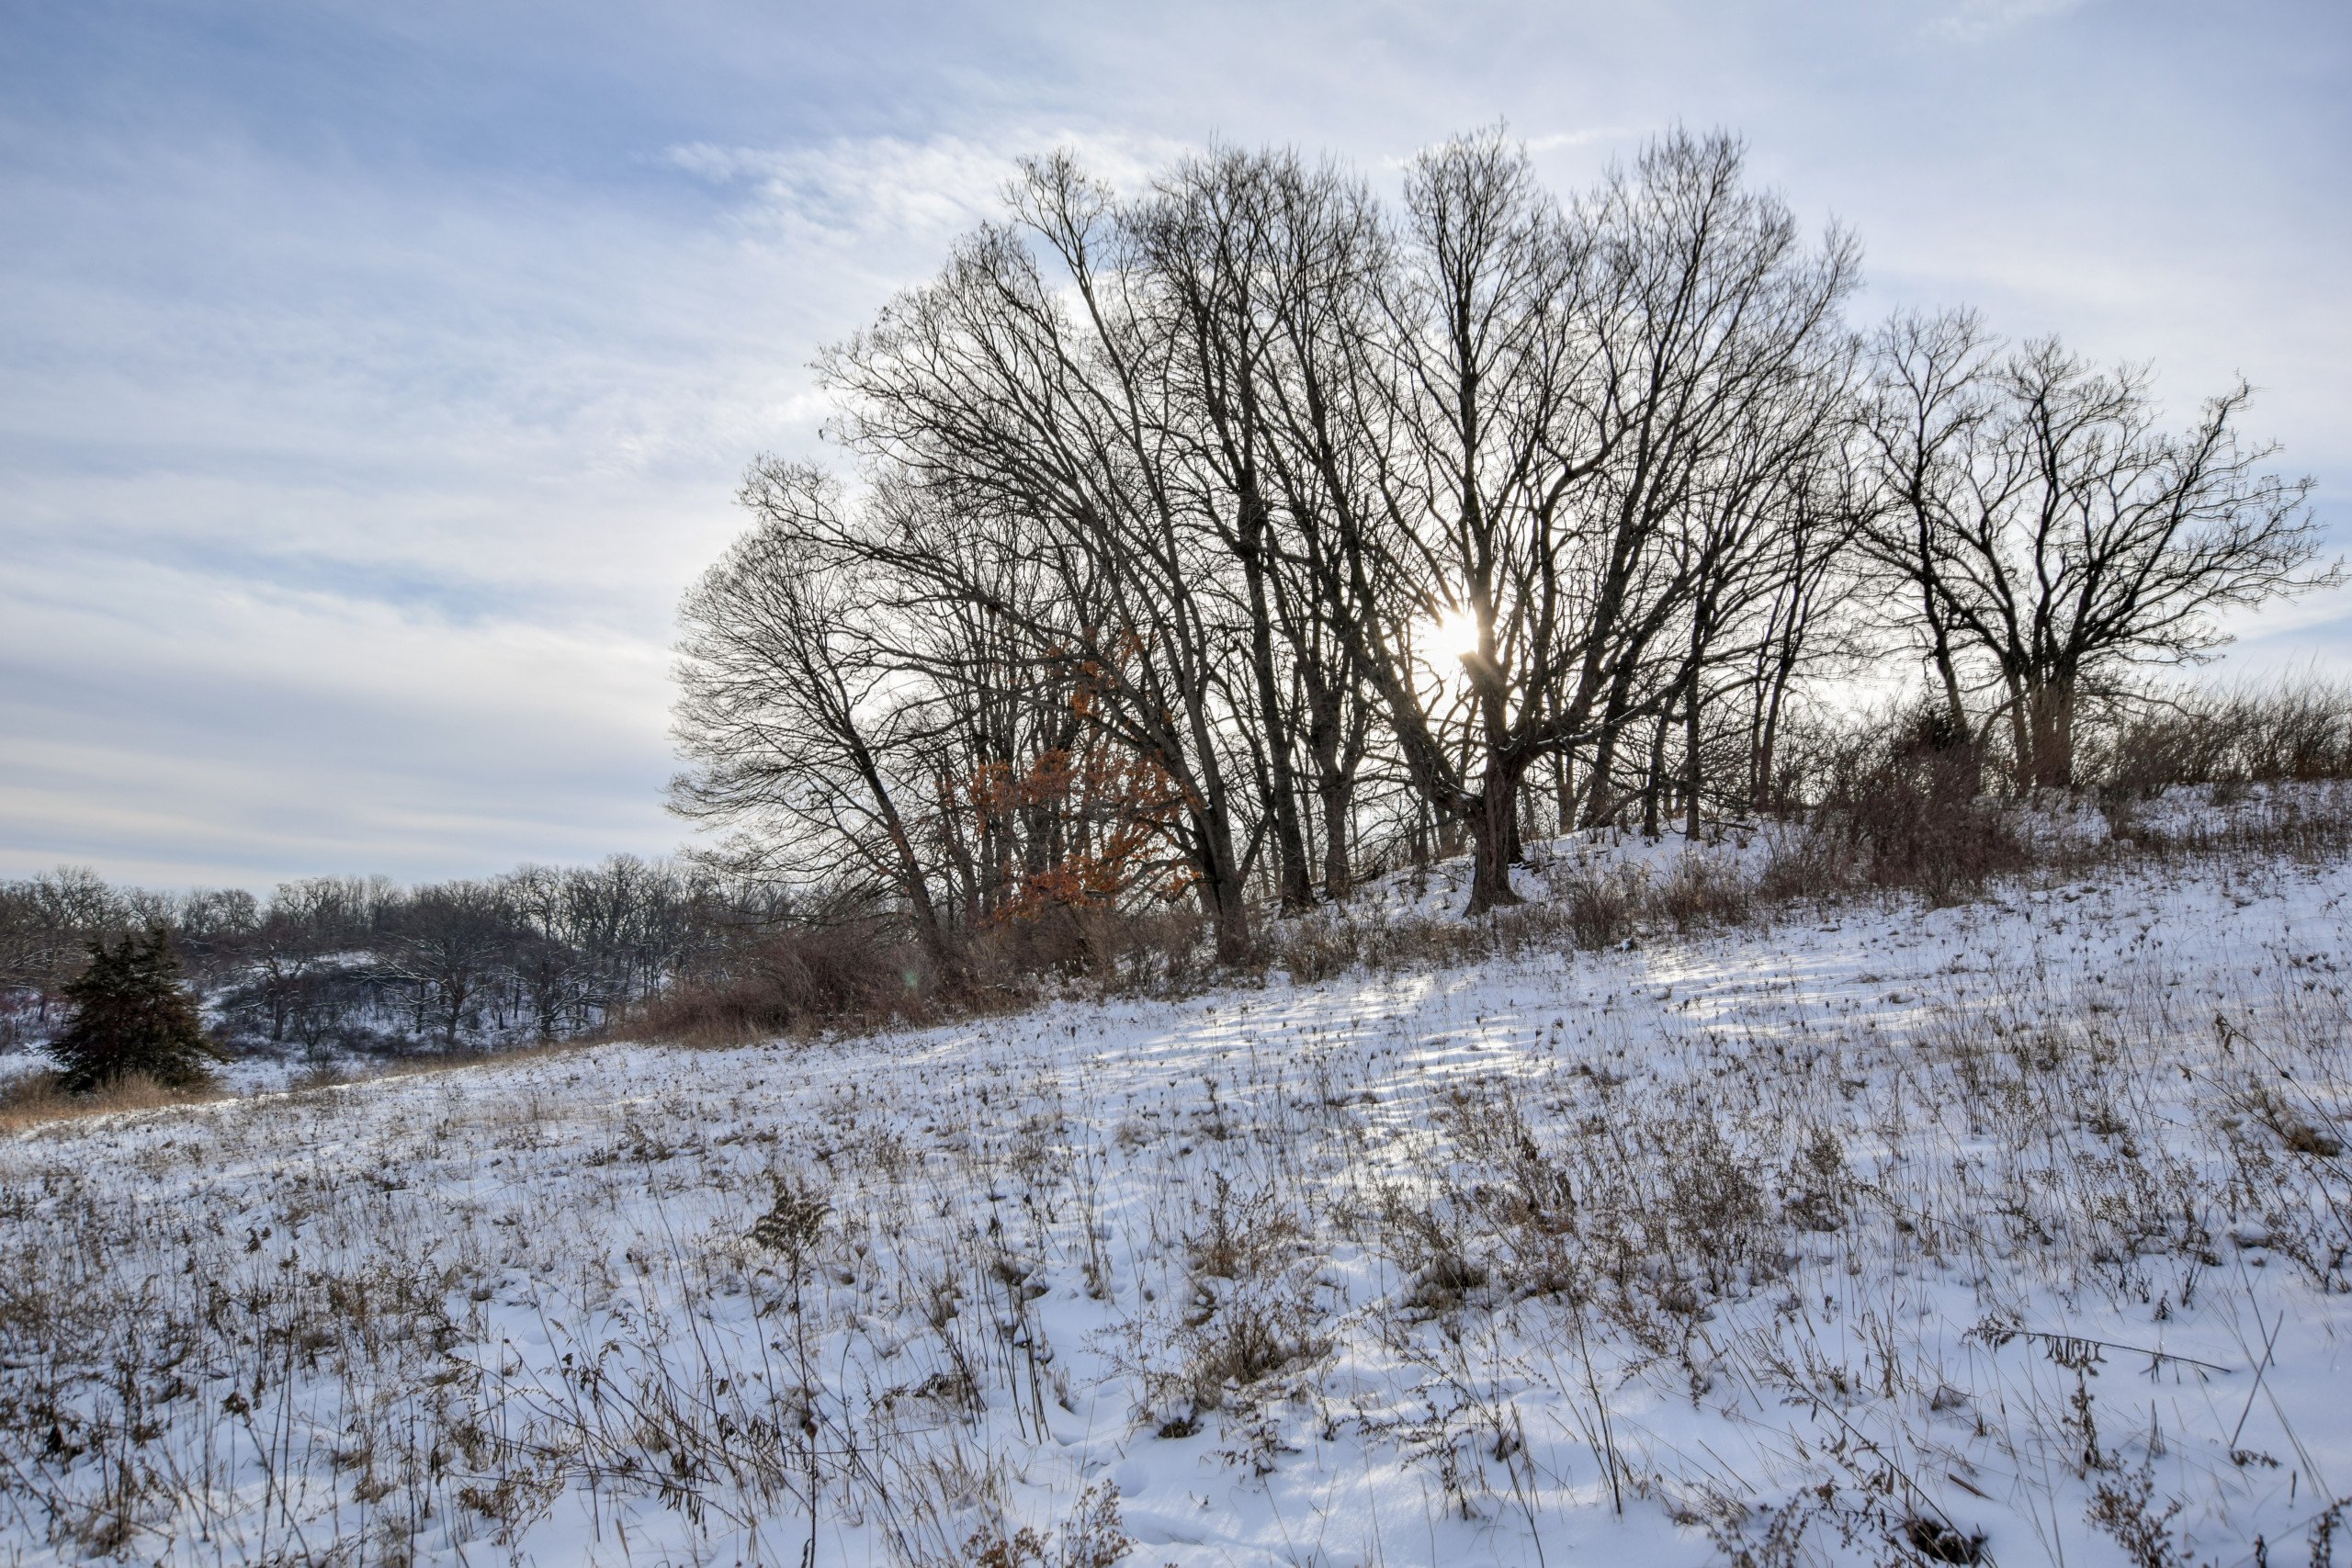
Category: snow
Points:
column 2195, row 811
column 1868, row 1220
column 1441, row 891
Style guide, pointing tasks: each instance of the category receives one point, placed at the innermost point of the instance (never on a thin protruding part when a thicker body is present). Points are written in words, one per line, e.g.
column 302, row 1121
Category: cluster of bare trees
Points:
column 2045, row 538
column 357, row 961
column 1210, row 541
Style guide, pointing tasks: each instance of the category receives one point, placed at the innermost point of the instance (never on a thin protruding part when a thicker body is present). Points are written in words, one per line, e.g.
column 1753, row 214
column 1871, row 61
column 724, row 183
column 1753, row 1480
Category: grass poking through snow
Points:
column 2018, row 1231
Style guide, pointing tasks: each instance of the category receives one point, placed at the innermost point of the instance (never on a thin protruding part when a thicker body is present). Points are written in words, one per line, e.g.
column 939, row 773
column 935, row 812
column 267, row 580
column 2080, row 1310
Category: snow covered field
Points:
column 2018, row 1232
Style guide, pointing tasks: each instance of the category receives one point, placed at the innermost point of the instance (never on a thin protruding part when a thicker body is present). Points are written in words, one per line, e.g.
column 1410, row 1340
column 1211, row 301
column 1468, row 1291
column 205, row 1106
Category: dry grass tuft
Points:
column 34, row 1100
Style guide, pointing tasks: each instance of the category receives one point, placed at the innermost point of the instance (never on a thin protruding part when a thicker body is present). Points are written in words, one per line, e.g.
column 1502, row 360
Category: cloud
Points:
column 373, row 381
column 1977, row 20
column 850, row 191
column 355, row 542
column 1553, row 141
column 251, row 730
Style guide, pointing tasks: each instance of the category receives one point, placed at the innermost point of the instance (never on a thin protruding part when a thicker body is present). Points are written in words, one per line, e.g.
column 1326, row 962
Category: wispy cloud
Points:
column 372, row 381
column 1975, row 19
column 1553, row 141
column 852, row 190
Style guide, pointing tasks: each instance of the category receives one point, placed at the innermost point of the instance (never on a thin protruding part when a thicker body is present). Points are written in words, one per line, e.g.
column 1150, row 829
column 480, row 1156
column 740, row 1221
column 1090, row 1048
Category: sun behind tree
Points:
column 132, row 1014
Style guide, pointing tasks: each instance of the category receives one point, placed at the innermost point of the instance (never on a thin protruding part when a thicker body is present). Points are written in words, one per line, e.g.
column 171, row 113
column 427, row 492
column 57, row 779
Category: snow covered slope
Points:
column 1989, row 1234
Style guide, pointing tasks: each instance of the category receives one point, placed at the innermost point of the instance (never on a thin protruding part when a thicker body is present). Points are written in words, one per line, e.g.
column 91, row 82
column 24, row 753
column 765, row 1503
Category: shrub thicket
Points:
column 1900, row 805
column 2299, row 732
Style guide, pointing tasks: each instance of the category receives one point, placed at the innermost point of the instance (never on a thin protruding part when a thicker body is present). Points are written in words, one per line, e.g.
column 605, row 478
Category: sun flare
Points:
column 1455, row 635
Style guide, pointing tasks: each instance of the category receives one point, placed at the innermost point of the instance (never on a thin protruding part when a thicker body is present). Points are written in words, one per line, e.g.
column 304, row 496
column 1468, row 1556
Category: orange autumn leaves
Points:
column 1101, row 821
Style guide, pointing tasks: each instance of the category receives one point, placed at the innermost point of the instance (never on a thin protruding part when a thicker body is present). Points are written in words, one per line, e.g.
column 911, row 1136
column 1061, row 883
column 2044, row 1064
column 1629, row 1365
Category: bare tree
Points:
column 447, row 942
column 2052, row 532
column 1028, row 416
column 1560, row 399
column 1929, row 397
column 787, row 706
column 1808, row 627
column 1233, row 253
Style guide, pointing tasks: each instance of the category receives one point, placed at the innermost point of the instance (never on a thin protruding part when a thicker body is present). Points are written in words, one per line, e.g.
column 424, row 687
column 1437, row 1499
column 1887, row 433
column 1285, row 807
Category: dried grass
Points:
column 35, row 1099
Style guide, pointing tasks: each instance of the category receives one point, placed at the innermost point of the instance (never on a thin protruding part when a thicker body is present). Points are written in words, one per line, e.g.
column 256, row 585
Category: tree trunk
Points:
column 1691, row 763
column 2021, row 758
column 1597, row 804
column 1336, row 789
column 1290, row 841
column 1224, row 901
column 1493, row 821
column 964, row 873
column 1600, row 807
column 2050, row 731
column 913, row 885
column 1337, row 754
column 1939, row 654
column 1655, row 783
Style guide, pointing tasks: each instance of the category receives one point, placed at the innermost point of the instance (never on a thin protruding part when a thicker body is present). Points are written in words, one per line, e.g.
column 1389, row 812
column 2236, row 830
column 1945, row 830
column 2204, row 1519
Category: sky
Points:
column 375, row 378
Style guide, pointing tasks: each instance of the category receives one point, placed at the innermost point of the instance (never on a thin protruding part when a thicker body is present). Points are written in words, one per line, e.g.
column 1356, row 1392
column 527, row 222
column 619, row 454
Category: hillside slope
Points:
column 1984, row 1233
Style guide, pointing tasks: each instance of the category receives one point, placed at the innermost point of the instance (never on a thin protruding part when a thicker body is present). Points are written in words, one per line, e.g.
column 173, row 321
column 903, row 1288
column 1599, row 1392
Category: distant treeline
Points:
column 352, row 962
column 341, row 965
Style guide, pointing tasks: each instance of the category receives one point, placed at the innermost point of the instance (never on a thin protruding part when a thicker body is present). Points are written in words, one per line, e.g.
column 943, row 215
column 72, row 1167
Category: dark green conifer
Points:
column 133, row 1013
